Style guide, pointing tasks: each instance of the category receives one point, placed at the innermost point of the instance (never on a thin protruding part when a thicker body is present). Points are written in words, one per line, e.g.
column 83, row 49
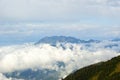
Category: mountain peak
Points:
column 61, row 39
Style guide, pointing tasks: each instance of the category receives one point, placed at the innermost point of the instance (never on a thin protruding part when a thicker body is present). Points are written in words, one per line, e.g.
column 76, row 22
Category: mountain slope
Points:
column 109, row 70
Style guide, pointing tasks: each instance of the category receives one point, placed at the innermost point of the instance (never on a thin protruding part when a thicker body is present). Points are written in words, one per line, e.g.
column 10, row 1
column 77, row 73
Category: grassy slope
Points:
column 109, row 70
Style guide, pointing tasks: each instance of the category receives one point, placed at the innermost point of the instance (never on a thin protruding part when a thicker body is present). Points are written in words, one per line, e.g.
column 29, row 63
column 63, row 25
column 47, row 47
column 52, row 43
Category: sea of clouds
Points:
column 44, row 56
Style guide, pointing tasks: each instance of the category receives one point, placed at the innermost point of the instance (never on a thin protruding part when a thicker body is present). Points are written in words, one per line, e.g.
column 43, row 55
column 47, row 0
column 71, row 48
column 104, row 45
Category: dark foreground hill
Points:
column 109, row 70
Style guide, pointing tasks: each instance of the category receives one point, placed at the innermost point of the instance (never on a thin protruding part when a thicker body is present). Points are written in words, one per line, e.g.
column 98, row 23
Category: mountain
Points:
column 91, row 46
column 63, row 39
column 38, row 74
column 30, row 74
column 55, row 39
column 109, row 70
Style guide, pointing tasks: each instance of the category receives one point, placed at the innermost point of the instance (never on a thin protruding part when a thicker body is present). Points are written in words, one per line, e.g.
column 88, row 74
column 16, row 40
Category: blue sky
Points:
column 29, row 20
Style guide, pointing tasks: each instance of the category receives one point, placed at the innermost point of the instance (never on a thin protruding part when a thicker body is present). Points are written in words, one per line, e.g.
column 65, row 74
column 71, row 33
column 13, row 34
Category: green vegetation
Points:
column 109, row 70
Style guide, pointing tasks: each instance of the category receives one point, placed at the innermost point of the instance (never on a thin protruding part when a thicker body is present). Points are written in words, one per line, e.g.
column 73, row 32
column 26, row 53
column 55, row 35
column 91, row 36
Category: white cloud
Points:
column 28, row 10
column 31, row 28
column 114, row 31
column 115, row 3
column 2, row 77
column 35, row 31
column 44, row 56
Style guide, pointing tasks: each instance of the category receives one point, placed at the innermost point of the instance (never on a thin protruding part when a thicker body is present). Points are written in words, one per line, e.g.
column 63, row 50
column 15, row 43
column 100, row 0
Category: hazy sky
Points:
column 29, row 20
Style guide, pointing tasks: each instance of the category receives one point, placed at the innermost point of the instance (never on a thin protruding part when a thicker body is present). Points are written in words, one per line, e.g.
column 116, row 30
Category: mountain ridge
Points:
column 63, row 39
column 109, row 70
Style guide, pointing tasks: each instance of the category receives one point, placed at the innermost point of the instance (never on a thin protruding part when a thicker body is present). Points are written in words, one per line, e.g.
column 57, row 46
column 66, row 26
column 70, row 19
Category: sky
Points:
column 24, row 21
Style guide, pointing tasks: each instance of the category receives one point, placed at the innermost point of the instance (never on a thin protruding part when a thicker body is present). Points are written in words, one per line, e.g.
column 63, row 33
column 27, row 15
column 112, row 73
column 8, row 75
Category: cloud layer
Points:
column 30, row 10
column 44, row 56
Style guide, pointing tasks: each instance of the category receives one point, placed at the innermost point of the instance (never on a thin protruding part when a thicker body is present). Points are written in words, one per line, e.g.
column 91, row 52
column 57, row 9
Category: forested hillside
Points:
column 109, row 70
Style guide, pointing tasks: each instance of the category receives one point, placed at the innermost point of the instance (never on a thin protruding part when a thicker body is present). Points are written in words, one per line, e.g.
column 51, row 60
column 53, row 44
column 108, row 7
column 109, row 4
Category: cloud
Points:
column 29, row 28
column 2, row 77
column 114, row 3
column 47, row 10
column 113, row 31
column 44, row 56
column 30, row 19
column 32, row 32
